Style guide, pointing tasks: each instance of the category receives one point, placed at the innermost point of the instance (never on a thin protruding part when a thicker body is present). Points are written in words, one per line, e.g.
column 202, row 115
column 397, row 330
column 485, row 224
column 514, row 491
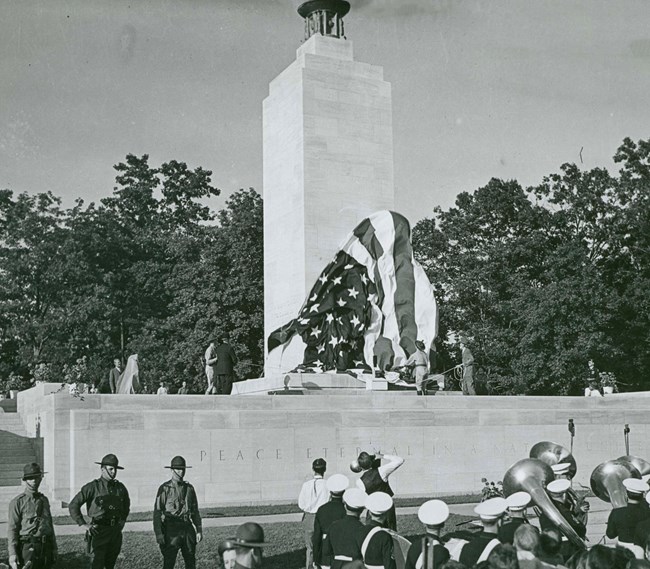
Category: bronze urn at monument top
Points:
column 324, row 17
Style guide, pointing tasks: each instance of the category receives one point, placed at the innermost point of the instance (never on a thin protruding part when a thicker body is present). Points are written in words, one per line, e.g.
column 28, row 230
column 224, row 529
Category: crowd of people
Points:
column 346, row 525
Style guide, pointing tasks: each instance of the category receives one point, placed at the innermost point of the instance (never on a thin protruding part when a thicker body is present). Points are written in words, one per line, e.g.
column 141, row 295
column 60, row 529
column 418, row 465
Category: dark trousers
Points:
column 179, row 536
column 36, row 551
column 104, row 388
column 106, row 546
column 224, row 384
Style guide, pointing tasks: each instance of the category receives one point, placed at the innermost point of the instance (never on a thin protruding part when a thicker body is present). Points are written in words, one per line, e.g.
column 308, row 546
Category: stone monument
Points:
column 328, row 163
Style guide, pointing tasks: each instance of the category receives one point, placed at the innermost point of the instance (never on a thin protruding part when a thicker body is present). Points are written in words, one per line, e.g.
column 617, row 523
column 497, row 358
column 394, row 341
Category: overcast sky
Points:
column 481, row 88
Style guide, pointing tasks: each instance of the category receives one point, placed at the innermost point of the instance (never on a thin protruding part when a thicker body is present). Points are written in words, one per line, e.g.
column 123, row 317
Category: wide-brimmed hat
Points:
column 249, row 534
column 32, row 470
column 419, row 344
column 110, row 460
column 225, row 545
column 178, row 463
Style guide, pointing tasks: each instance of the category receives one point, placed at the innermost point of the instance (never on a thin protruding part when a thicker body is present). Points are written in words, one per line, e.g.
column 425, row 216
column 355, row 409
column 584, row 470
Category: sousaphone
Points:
column 643, row 466
column 552, row 454
column 532, row 475
column 607, row 480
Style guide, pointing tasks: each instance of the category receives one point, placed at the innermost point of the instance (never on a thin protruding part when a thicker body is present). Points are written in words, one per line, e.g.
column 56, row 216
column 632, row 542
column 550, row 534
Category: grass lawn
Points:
column 140, row 550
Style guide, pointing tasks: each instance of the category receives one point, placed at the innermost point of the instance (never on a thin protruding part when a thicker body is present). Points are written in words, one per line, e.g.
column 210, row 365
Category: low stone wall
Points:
column 258, row 449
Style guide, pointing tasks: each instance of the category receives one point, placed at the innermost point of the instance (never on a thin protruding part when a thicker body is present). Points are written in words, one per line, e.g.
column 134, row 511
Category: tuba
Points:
column 607, row 480
column 643, row 466
column 531, row 475
column 552, row 454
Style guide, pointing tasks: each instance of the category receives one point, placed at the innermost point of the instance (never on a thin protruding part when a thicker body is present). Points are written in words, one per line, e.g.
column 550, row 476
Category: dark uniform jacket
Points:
column 373, row 482
column 326, row 515
column 176, row 502
column 378, row 547
column 226, row 360
column 579, row 528
column 642, row 533
column 415, row 559
column 507, row 531
column 343, row 541
column 29, row 517
column 622, row 522
column 472, row 550
column 107, row 502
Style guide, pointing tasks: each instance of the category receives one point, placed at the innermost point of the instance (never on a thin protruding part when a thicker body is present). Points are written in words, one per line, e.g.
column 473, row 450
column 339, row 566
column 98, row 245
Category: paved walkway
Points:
column 596, row 528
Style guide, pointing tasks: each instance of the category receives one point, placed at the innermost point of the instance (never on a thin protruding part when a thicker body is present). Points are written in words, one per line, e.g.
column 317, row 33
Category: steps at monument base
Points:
column 317, row 382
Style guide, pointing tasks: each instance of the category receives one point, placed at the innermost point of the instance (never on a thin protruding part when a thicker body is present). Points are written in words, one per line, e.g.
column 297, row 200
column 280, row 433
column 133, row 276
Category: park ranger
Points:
column 30, row 532
column 107, row 504
column 176, row 517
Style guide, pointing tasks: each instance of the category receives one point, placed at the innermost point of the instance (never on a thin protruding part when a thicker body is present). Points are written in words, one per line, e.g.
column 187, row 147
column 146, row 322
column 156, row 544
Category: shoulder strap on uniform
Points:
column 366, row 541
column 488, row 549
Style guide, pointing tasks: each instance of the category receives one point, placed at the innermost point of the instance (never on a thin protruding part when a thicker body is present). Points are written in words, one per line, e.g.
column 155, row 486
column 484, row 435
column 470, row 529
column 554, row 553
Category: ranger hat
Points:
column 355, row 498
column 110, row 460
column 32, row 470
column 249, row 534
column 337, row 484
column 558, row 486
column 225, row 545
column 178, row 463
column 491, row 509
column 561, row 468
column 378, row 503
column 319, row 463
column 635, row 486
column 433, row 513
column 518, row 501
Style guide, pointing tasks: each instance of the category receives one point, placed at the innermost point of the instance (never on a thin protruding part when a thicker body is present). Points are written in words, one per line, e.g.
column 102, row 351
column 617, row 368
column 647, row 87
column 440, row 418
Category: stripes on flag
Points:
column 373, row 287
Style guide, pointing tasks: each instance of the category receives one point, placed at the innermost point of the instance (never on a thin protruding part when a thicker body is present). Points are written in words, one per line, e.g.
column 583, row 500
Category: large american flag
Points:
column 372, row 287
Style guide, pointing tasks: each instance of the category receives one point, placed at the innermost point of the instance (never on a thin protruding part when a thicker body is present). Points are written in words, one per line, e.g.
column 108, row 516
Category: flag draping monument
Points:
column 373, row 287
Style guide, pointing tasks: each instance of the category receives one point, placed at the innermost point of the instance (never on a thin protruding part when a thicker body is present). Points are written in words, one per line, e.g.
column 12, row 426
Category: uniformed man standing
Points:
column 30, row 532
column 375, row 478
column 479, row 547
column 433, row 514
column 343, row 544
column 176, row 517
column 557, row 491
column 517, row 504
column 578, row 506
column 377, row 544
column 622, row 522
column 107, row 504
column 326, row 515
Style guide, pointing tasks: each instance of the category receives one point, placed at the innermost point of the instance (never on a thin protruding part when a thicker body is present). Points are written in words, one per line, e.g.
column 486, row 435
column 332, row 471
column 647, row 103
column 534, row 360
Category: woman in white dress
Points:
column 128, row 382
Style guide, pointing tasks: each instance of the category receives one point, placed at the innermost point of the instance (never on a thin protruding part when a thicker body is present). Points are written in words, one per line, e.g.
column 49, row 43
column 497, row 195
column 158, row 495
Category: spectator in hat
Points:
column 326, row 515
column 375, row 478
column 517, row 504
column 479, row 547
column 30, row 531
column 622, row 522
column 227, row 554
column 313, row 495
column 376, row 544
column 433, row 514
column 342, row 545
column 419, row 361
column 248, row 543
column 176, row 517
column 107, row 504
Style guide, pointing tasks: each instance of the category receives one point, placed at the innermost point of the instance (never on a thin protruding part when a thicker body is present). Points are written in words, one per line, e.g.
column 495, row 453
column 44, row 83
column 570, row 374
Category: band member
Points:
column 30, row 533
column 377, row 544
column 517, row 504
column 479, row 547
column 578, row 505
column 342, row 543
column 313, row 495
column 622, row 522
column 642, row 533
column 176, row 517
column 375, row 478
column 326, row 515
column 433, row 514
column 557, row 491
column 107, row 504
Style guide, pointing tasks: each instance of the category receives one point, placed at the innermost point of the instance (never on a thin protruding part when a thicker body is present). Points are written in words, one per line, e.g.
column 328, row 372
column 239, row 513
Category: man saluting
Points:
column 176, row 517
column 30, row 533
column 107, row 504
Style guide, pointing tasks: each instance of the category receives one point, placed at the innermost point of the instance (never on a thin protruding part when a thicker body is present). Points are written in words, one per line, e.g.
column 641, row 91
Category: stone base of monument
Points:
column 306, row 382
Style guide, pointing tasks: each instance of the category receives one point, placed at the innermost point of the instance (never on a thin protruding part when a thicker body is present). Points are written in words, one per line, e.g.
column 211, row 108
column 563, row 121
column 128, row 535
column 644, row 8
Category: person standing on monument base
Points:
column 420, row 362
column 109, row 384
column 176, row 517
column 313, row 495
column 210, row 358
column 30, row 531
column 468, row 368
column 225, row 367
column 108, row 505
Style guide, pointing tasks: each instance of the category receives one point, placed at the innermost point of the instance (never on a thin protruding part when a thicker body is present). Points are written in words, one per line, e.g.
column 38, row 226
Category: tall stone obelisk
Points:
column 328, row 163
